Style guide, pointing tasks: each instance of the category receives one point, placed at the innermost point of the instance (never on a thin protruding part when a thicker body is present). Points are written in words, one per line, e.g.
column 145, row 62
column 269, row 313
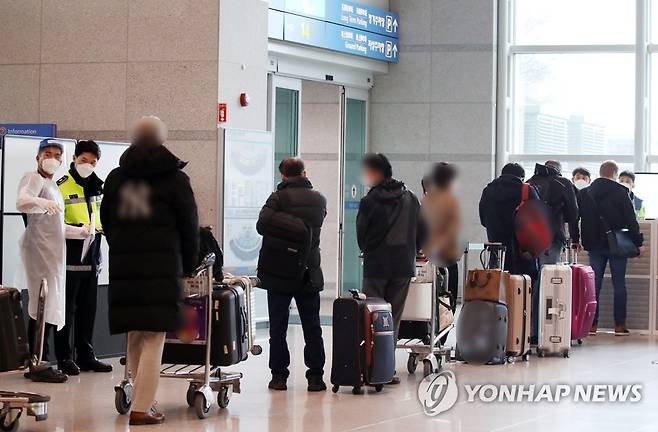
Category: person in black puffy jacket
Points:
column 289, row 268
column 149, row 216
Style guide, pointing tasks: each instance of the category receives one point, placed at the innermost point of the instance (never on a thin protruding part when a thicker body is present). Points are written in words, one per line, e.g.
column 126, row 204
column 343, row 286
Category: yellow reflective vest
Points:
column 76, row 210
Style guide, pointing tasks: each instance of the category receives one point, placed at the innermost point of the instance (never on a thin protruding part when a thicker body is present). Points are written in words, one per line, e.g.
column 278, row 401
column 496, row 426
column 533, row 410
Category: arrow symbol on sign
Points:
column 395, row 50
column 395, row 26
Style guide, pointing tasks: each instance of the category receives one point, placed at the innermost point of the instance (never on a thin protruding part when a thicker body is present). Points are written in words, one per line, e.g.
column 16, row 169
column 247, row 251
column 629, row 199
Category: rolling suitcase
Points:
column 487, row 283
column 555, row 310
column 519, row 301
column 363, row 343
column 14, row 349
column 583, row 301
column 229, row 332
column 482, row 332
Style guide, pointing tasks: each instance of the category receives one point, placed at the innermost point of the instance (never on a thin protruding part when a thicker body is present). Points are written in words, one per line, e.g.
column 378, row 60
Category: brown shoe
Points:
column 150, row 418
column 592, row 331
column 621, row 330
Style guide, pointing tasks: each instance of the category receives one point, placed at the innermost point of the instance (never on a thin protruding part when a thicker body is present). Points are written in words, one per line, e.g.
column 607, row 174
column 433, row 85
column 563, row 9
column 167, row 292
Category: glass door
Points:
column 285, row 120
column 355, row 109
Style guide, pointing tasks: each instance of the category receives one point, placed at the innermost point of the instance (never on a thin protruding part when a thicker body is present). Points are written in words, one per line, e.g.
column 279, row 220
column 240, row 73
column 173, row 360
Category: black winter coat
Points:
column 293, row 203
column 387, row 230
column 616, row 207
column 498, row 204
column 150, row 220
column 558, row 194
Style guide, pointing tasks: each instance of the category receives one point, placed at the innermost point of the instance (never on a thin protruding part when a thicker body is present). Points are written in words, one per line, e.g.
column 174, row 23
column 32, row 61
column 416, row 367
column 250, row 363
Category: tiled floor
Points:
column 85, row 403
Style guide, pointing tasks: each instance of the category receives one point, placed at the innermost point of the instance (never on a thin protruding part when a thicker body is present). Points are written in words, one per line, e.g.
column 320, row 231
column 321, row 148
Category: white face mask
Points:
column 628, row 185
column 84, row 169
column 581, row 184
column 50, row 166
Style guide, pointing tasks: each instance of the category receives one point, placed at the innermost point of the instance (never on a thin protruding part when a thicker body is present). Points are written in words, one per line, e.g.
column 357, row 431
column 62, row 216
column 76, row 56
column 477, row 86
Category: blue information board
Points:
column 30, row 129
column 338, row 25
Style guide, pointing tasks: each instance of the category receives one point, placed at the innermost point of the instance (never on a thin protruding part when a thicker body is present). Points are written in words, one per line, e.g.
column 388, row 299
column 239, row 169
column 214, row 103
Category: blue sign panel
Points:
column 37, row 129
column 321, row 34
column 344, row 12
column 363, row 17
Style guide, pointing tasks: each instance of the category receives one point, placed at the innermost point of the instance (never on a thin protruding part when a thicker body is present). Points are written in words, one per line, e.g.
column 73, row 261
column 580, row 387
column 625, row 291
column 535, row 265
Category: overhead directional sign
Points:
column 338, row 25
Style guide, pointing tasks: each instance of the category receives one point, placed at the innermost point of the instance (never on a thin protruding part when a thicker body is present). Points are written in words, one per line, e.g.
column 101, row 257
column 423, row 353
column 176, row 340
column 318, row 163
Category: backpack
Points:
column 208, row 244
column 532, row 227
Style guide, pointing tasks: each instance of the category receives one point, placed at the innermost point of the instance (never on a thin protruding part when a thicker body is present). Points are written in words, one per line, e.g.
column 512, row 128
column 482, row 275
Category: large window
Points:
column 576, row 81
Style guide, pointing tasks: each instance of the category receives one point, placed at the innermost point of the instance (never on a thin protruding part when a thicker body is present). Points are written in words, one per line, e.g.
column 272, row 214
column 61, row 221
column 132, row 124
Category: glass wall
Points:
column 578, row 80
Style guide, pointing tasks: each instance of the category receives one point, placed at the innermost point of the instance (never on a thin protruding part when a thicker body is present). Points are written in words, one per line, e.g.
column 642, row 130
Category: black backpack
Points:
column 208, row 244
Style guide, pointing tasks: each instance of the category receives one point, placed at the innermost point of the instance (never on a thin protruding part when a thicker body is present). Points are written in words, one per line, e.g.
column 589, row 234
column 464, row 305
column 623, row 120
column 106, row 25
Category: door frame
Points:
column 363, row 95
column 279, row 81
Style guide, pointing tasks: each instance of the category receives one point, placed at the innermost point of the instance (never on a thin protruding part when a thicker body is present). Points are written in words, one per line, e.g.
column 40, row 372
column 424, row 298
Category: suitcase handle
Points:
column 357, row 295
column 474, row 280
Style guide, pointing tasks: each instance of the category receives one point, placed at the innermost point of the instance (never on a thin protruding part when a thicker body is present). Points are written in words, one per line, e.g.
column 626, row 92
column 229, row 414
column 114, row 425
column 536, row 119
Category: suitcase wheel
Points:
column 357, row 390
column 525, row 357
column 580, row 341
column 223, row 397
column 257, row 350
column 540, row 352
column 428, row 368
column 509, row 359
column 565, row 354
column 335, row 388
column 122, row 401
column 379, row 387
column 412, row 363
column 201, row 406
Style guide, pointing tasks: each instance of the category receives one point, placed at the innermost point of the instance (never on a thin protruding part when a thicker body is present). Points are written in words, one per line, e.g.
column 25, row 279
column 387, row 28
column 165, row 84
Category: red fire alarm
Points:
column 244, row 99
column 222, row 112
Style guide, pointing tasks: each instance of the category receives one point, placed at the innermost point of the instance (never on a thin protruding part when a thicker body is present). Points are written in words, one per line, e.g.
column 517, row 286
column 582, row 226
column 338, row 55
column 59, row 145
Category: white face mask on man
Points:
column 50, row 166
column 84, row 169
column 581, row 184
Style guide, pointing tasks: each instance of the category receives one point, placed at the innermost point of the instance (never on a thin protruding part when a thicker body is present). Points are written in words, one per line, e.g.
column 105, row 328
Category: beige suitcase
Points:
column 519, row 304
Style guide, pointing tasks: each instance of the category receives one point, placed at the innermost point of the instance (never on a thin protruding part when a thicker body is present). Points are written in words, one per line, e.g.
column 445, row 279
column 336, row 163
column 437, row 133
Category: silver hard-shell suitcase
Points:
column 555, row 310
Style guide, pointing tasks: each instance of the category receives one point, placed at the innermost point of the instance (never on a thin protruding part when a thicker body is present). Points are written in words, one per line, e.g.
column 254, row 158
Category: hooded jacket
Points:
column 611, row 200
column 498, row 204
column 558, row 194
column 387, row 230
column 293, row 204
column 149, row 216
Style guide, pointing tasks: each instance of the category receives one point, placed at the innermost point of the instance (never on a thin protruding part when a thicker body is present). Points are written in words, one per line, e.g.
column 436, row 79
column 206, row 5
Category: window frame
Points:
column 642, row 158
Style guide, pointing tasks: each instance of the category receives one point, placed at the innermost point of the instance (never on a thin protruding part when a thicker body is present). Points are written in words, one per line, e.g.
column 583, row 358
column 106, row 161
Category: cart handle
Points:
column 207, row 262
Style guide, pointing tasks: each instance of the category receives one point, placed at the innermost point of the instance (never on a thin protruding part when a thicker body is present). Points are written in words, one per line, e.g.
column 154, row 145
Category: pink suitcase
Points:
column 583, row 301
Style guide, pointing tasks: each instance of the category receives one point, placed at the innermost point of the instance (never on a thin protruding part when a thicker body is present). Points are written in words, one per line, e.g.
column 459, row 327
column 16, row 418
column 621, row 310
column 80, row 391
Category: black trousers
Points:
column 308, row 305
column 78, row 330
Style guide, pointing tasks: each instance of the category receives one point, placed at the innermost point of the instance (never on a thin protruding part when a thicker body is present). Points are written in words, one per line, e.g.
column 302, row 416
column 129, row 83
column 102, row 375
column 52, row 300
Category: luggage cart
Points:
column 13, row 404
column 204, row 380
column 431, row 354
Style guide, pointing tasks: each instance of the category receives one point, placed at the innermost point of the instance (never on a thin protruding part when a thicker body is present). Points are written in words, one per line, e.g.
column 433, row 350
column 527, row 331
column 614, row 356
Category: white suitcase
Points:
column 555, row 310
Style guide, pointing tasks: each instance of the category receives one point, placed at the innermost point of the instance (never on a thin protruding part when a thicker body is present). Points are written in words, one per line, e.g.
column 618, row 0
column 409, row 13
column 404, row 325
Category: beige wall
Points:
column 93, row 67
column 319, row 146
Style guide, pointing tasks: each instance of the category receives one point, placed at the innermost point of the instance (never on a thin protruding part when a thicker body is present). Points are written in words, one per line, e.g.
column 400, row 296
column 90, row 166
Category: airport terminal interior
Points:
column 453, row 203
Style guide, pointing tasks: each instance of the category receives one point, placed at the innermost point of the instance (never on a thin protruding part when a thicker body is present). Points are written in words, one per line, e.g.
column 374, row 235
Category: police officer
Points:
column 82, row 191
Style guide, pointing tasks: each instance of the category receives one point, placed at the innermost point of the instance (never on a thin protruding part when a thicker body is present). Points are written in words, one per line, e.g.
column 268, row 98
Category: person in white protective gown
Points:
column 43, row 248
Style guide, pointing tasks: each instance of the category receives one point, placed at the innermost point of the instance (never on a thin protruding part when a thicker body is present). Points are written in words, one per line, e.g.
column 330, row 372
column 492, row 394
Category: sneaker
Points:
column 278, row 382
column 316, row 383
column 48, row 375
column 95, row 366
column 592, row 331
column 69, row 367
column 621, row 330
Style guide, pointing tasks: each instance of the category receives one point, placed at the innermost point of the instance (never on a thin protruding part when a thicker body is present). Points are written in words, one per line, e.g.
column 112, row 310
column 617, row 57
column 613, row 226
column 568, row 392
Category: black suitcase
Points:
column 363, row 343
column 14, row 349
column 482, row 332
column 229, row 332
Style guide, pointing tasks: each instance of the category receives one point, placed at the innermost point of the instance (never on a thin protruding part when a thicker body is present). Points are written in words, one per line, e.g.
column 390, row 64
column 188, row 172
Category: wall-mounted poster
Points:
column 248, row 173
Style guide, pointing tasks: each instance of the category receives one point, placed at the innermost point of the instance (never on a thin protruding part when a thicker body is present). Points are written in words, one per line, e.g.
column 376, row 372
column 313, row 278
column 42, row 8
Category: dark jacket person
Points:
column 387, row 233
column 289, row 268
column 560, row 197
column 150, row 219
column 607, row 202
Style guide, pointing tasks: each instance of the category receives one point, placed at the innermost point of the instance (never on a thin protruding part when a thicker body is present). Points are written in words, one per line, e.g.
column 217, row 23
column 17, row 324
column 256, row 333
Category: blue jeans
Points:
column 598, row 260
